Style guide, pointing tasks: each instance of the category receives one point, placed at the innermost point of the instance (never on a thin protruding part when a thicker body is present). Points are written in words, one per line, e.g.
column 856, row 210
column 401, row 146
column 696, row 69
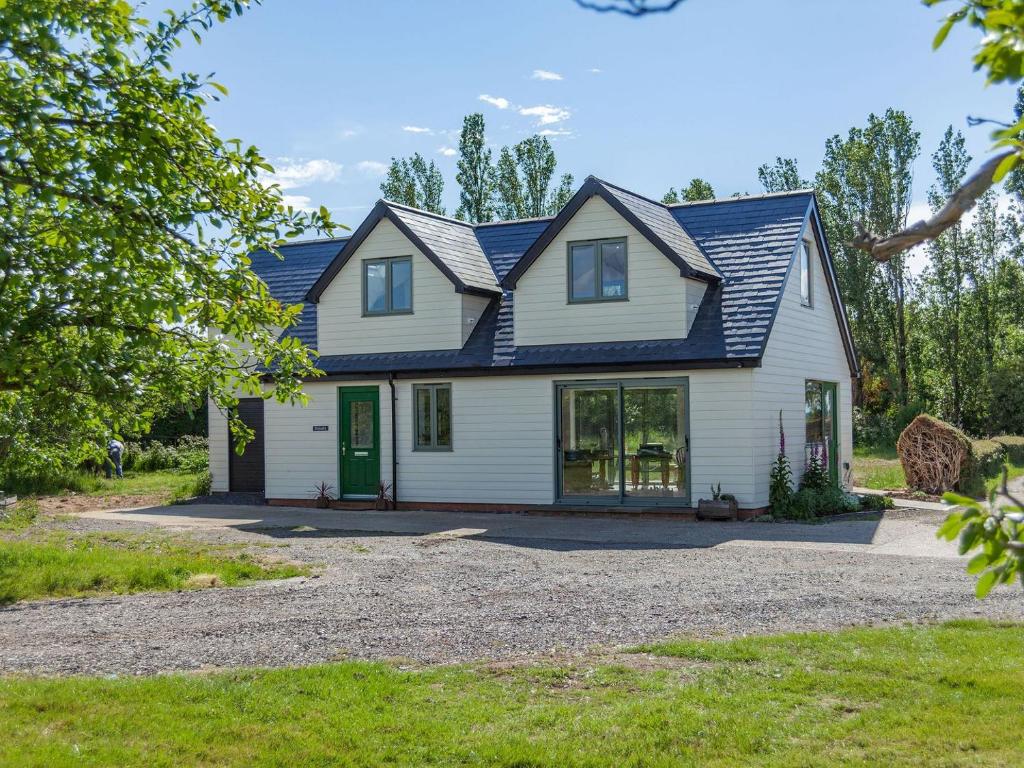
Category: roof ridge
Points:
column 740, row 198
column 628, row 191
column 512, row 221
column 431, row 214
column 314, row 240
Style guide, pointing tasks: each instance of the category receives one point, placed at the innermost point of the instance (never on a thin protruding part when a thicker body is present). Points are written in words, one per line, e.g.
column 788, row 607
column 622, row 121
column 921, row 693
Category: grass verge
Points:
column 67, row 565
column 163, row 484
column 921, row 696
column 878, row 468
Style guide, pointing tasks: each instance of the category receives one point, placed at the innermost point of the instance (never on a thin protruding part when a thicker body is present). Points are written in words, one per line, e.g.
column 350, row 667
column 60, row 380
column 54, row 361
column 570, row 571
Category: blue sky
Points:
column 330, row 91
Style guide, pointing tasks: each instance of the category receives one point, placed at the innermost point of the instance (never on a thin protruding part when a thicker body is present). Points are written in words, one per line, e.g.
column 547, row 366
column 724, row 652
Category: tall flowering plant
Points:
column 780, row 494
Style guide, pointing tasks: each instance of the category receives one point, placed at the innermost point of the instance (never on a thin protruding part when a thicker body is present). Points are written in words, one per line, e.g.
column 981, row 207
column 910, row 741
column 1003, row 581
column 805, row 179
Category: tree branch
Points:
column 958, row 204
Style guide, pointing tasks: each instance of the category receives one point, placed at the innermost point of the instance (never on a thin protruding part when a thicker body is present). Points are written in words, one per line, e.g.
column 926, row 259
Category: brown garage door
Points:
column 246, row 471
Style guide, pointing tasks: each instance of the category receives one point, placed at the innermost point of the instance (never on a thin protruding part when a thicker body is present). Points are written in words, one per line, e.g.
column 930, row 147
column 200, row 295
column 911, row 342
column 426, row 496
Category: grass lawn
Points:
column 877, row 468
column 170, row 485
column 922, row 696
column 54, row 564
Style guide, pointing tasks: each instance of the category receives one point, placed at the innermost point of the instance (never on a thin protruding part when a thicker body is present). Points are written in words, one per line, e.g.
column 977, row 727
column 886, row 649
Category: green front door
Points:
column 359, row 408
column 831, row 428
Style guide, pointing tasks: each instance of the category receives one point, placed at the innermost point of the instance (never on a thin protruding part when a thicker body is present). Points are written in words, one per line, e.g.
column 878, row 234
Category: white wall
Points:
column 218, row 431
column 657, row 293
column 805, row 343
column 472, row 308
column 503, row 439
column 436, row 321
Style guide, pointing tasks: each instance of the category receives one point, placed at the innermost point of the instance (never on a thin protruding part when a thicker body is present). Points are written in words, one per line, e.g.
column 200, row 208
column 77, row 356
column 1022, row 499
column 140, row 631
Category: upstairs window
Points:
column 597, row 271
column 433, row 405
column 387, row 286
column 805, row 273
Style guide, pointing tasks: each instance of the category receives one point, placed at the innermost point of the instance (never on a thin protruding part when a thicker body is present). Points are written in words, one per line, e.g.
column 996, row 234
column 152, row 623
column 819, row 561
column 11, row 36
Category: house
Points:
column 623, row 354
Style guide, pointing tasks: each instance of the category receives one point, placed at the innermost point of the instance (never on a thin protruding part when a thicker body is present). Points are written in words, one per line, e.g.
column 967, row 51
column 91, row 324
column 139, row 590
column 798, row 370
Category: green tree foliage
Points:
column 476, row 173
column 126, row 224
column 781, row 176
column 524, row 175
column 695, row 191
column 412, row 181
column 867, row 177
column 997, row 530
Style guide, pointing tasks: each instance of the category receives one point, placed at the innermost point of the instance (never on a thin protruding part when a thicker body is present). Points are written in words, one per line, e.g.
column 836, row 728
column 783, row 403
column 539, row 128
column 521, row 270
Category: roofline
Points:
column 527, row 220
column 741, row 198
column 833, row 288
column 315, row 240
column 423, row 212
column 593, row 186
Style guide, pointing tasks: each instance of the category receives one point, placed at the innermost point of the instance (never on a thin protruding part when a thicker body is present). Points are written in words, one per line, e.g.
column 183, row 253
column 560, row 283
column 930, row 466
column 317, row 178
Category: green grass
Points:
column 66, row 565
column 878, row 468
column 995, row 483
column 925, row 696
column 167, row 484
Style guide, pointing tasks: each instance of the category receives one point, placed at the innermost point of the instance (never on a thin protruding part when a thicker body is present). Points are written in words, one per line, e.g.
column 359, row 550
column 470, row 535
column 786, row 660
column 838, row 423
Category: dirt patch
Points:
column 69, row 505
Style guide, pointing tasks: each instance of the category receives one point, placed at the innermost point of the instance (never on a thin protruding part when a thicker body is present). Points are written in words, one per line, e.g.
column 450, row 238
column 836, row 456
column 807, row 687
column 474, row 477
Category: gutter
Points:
column 394, row 443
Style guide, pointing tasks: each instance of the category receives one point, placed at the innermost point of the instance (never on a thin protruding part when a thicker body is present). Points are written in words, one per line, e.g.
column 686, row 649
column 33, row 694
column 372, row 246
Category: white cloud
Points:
column 546, row 114
column 554, row 132
column 290, row 174
column 372, row 167
column 447, row 151
column 544, row 74
column 415, row 129
column 299, row 202
column 495, row 101
column 348, row 133
column 594, row 71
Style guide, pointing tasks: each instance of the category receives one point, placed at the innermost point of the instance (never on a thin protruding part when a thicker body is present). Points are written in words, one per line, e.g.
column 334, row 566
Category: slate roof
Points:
column 749, row 241
column 289, row 278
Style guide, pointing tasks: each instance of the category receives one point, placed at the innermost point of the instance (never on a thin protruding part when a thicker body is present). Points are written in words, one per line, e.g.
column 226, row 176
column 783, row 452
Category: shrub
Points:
column 189, row 454
column 1006, row 412
column 815, row 475
column 781, row 485
column 986, row 460
column 1014, row 447
column 873, row 502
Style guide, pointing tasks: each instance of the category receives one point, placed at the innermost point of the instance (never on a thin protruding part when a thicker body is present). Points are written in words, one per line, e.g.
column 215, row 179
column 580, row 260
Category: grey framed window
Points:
column 805, row 273
column 432, row 406
column 597, row 271
column 387, row 286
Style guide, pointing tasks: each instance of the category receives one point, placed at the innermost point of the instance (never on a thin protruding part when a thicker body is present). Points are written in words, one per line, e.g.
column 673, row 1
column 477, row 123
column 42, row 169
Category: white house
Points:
column 623, row 354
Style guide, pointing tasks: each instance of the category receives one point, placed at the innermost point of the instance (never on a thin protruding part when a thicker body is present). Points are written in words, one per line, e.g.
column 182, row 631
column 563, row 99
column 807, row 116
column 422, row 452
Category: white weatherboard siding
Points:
column 436, row 319
column 218, row 431
column 472, row 308
column 657, row 294
column 503, row 435
column 805, row 343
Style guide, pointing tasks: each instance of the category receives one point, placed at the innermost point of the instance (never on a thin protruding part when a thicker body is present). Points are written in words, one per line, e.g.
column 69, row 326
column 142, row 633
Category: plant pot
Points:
column 323, row 503
column 708, row 509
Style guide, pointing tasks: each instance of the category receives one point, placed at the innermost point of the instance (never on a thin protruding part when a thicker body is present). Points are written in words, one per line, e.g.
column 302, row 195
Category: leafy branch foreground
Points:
column 912, row 696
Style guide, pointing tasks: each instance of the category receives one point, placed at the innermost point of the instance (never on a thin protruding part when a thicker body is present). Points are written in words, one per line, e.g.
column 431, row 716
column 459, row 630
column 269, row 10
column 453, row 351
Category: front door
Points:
column 359, row 438
column 246, row 471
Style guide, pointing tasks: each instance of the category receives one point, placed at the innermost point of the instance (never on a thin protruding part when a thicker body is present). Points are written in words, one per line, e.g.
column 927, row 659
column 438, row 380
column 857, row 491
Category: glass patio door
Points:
column 822, row 427
column 624, row 441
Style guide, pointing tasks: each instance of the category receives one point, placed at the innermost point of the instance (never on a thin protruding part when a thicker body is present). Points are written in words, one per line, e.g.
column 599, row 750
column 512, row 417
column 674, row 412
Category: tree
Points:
column 694, row 192
column 867, row 177
column 781, row 176
column 411, row 181
column 126, row 227
column 524, row 176
column 476, row 173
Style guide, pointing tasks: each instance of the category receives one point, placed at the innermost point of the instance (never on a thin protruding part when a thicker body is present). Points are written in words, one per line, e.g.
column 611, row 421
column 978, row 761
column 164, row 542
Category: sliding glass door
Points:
column 623, row 442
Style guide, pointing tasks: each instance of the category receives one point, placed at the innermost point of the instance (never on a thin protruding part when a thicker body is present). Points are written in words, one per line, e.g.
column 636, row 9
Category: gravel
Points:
column 445, row 598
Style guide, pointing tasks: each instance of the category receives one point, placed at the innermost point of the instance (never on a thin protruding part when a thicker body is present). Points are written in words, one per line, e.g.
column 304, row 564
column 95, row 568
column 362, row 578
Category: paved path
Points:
column 438, row 587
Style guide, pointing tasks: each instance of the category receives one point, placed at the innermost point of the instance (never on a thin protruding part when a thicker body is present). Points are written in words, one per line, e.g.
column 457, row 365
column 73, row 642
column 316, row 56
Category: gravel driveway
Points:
column 447, row 587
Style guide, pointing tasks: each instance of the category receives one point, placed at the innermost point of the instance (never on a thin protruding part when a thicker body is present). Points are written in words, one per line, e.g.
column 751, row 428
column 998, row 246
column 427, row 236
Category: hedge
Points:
column 1014, row 446
column 987, row 458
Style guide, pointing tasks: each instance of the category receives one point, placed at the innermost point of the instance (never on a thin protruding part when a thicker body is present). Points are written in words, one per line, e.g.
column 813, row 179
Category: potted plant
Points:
column 721, row 506
column 385, row 499
column 323, row 495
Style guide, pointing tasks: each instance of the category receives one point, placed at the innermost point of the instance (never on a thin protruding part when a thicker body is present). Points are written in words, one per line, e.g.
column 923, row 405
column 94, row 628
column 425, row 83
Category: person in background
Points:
column 115, row 450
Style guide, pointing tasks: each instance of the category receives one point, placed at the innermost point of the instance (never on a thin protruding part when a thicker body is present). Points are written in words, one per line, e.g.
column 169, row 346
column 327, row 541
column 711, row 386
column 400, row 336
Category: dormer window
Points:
column 387, row 286
column 597, row 271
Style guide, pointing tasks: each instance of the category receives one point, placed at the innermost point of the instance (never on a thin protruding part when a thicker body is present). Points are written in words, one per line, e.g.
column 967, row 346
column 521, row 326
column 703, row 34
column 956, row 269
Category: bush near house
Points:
column 985, row 461
column 1014, row 447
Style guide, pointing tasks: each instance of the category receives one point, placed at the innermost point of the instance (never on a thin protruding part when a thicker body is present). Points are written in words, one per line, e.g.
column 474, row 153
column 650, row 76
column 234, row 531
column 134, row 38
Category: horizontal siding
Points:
column 436, row 321
column 503, row 435
column 472, row 308
column 218, row 432
column 657, row 294
column 805, row 343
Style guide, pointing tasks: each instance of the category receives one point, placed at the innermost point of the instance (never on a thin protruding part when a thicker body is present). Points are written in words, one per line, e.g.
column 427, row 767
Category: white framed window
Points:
column 805, row 273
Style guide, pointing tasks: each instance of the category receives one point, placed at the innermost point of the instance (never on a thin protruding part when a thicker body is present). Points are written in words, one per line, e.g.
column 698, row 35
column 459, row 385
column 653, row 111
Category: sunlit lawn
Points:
column 877, row 468
column 936, row 696
column 171, row 485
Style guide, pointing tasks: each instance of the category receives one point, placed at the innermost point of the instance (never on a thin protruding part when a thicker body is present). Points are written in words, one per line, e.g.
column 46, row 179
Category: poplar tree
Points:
column 476, row 173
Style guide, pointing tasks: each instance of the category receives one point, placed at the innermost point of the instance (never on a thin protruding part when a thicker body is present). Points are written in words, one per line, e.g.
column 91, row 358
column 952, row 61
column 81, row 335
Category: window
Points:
column 805, row 273
column 387, row 286
column 597, row 271
column 433, row 406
